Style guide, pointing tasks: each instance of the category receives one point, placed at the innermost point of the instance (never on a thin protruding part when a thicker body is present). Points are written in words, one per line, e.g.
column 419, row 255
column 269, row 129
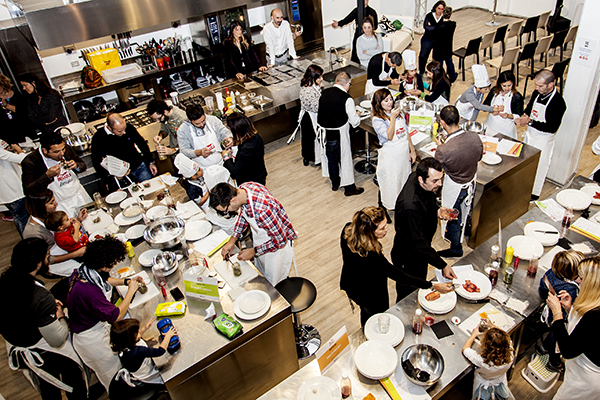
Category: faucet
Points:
column 337, row 57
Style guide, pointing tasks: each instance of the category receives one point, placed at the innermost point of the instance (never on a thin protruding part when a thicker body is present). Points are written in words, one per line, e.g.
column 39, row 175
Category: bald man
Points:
column 123, row 141
column 279, row 39
column 542, row 117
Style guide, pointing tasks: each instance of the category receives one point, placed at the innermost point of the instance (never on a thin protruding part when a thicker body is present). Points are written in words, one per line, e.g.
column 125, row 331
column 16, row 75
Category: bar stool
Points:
column 368, row 165
column 301, row 294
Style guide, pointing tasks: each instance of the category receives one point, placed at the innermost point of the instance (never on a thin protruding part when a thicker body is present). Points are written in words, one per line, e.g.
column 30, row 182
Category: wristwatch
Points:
column 126, row 281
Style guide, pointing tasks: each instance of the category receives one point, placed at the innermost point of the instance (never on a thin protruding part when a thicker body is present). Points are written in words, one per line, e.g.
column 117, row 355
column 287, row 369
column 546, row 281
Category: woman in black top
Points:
column 241, row 54
column 44, row 104
column 248, row 165
column 366, row 270
column 13, row 117
column 429, row 36
column 444, row 39
column 440, row 85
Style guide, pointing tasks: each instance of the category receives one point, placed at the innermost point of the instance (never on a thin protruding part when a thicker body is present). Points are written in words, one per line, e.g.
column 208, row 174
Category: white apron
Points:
column 506, row 126
column 450, row 192
column 543, row 141
column 393, row 165
column 210, row 140
column 66, row 188
column 465, row 109
column 582, row 376
column 214, row 174
column 64, row 268
column 441, row 101
column 346, row 164
column 147, row 372
column 319, row 153
column 370, row 87
column 275, row 266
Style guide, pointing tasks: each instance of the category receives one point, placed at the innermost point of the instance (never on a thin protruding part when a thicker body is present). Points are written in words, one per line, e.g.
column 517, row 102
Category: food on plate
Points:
column 146, row 184
column 470, row 287
column 433, row 296
column 96, row 220
column 237, row 268
column 369, row 397
column 132, row 211
column 98, row 236
column 597, row 195
column 135, row 188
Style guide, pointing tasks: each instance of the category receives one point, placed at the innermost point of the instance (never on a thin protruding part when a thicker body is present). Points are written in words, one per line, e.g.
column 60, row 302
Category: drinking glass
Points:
column 429, row 319
column 384, row 323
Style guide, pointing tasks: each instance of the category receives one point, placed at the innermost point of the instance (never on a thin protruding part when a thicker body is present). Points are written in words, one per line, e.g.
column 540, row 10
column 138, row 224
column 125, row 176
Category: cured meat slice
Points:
column 432, row 296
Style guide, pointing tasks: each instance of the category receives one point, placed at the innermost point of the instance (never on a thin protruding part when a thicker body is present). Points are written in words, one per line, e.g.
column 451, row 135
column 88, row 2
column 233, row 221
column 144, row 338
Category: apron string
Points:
column 34, row 361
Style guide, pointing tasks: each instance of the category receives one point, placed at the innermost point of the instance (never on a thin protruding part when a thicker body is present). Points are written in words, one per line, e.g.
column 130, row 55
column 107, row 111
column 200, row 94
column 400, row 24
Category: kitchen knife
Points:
column 549, row 286
column 547, row 232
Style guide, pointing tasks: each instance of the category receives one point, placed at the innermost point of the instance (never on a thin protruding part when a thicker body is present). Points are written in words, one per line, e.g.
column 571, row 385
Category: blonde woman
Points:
column 577, row 337
column 241, row 55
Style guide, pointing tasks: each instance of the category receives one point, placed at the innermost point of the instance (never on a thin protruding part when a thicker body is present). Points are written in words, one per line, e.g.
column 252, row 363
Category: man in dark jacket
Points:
column 353, row 17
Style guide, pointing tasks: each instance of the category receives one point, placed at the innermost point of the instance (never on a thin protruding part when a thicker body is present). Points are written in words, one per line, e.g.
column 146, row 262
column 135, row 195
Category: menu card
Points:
column 200, row 287
column 551, row 208
column 510, row 148
column 330, row 351
column 490, row 144
column 587, row 228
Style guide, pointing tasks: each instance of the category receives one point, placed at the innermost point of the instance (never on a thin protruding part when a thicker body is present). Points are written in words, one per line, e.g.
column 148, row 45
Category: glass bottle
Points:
column 346, row 386
column 493, row 274
column 495, row 254
column 160, row 279
column 566, row 222
column 418, row 321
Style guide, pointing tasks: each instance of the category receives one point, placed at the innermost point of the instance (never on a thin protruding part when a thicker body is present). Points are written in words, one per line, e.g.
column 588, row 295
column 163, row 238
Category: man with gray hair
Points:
column 336, row 113
column 542, row 117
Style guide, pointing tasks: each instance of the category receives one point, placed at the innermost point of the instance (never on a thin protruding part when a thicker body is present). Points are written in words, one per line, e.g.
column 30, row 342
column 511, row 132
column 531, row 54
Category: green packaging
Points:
column 228, row 326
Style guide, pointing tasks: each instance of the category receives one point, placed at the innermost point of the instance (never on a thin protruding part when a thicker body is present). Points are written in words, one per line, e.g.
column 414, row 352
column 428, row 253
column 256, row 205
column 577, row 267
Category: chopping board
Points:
column 188, row 210
column 155, row 184
column 224, row 269
column 212, row 243
column 498, row 318
column 139, row 298
column 91, row 227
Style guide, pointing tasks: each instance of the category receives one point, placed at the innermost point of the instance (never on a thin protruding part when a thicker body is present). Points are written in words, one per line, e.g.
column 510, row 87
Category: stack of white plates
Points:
column 573, row 198
column 376, row 359
column 319, row 387
column 526, row 247
column 123, row 220
column 196, row 230
column 394, row 336
column 537, row 230
column 476, row 277
column 443, row 305
column 116, row 197
column 252, row 304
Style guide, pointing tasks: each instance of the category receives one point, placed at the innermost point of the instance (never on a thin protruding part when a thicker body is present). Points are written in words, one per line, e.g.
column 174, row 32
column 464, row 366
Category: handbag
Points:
column 91, row 78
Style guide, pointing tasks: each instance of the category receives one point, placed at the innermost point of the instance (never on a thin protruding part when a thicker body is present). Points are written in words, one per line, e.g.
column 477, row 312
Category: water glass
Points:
column 384, row 323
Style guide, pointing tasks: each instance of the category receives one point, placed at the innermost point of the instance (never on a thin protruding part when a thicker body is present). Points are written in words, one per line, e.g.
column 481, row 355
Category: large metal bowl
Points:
column 167, row 261
column 165, row 232
column 474, row 126
column 423, row 364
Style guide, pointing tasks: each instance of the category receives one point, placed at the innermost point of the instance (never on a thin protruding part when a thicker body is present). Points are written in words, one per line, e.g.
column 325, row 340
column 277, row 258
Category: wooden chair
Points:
column 527, row 53
column 487, row 42
column 543, row 22
column 509, row 58
column 571, row 35
column 558, row 41
column 530, row 27
column 543, row 47
column 514, row 31
column 500, row 37
column 471, row 49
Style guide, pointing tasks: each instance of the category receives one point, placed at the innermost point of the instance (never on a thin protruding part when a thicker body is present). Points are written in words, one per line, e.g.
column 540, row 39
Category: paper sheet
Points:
column 509, row 148
column 400, row 388
column 498, row 318
column 587, row 228
column 457, row 269
column 417, row 137
column 552, row 209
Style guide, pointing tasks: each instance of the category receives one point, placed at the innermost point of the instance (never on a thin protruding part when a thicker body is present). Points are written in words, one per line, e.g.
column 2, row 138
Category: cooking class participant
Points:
column 122, row 141
column 90, row 309
column 361, row 245
column 170, row 119
column 505, row 94
column 430, row 35
column 67, row 231
column 459, row 155
column 241, row 58
column 411, row 83
column 443, row 45
column 11, row 189
column 336, row 113
column 397, row 152
column 39, row 206
column 44, row 105
column 311, row 86
column 53, row 166
column 248, row 163
column 439, row 89
column 416, row 219
column 13, row 117
column 272, row 231
column 279, row 39
column 542, row 117
column 369, row 43
column 353, row 17
column 381, row 71
column 577, row 336
column 37, row 336
column 471, row 101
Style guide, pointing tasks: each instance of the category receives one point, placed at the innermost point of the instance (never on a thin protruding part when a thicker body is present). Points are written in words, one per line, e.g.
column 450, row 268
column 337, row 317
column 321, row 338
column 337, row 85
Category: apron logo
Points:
column 534, row 113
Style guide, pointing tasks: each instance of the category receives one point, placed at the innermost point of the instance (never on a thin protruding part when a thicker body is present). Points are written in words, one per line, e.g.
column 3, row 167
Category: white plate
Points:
column 443, row 305
column 266, row 304
column 394, row 336
column 101, row 232
column 252, row 303
column 546, row 239
column 196, row 230
column 591, row 191
column 479, row 279
column 526, row 247
column 135, row 232
column 573, row 198
column 124, row 221
column 376, row 359
column 128, row 202
column 121, row 237
column 365, row 104
column 157, row 212
column 116, row 197
column 146, row 257
column 491, row 158
column 325, row 386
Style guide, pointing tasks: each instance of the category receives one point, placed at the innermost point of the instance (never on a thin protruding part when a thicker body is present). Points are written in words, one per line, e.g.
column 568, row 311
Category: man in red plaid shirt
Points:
column 272, row 231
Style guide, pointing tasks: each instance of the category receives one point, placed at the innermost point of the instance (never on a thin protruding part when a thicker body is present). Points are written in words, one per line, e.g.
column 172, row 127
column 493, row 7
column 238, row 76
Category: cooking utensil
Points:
column 549, row 286
column 165, row 232
column 423, row 364
column 546, row 232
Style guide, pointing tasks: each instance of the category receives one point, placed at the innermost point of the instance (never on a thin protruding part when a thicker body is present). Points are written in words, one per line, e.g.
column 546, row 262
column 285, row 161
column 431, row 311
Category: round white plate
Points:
column 146, row 257
column 491, row 159
column 573, row 198
column 591, row 191
column 196, row 230
column 365, row 104
column 116, row 197
column 127, row 202
column 375, row 359
column 326, row 388
column 443, row 305
column 546, row 239
column 394, row 336
column 157, row 212
column 479, row 279
column 121, row 237
column 526, row 247
column 250, row 304
column 135, row 232
column 101, row 232
column 121, row 220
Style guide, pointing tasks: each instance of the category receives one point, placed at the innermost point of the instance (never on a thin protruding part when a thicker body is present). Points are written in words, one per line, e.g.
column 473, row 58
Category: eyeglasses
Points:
column 226, row 214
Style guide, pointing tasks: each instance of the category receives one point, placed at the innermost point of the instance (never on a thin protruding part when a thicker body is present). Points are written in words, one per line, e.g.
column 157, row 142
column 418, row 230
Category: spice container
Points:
column 129, row 248
column 418, row 321
column 508, row 257
column 346, row 386
column 533, row 267
column 508, row 275
column 495, row 254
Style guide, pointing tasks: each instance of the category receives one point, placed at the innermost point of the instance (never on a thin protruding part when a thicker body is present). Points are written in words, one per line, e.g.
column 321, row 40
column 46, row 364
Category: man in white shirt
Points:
column 279, row 39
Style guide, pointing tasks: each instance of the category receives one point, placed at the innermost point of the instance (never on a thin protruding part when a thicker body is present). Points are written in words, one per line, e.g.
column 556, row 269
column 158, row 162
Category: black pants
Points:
column 333, row 152
column 354, row 56
column 417, row 270
column 426, row 47
column 308, row 138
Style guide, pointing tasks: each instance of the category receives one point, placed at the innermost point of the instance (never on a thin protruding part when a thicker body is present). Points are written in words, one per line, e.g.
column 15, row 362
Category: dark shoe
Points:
column 534, row 197
column 335, row 187
column 305, row 162
column 375, row 181
column 449, row 253
column 539, row 347
column 387, row 216
column 558, row 367
column 353, row 191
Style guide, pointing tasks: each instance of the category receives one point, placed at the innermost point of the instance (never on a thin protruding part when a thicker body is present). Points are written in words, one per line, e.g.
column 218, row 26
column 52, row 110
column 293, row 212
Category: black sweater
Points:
column 444, row 37
column 442, row 89
column 249, row 164
column 374, row 69
column 234, row 58
column 582, row 340
column 48, row 114
column 353, row 16
column 430, row 25
column 554, row 111
column 14, row 126
column 516, row 103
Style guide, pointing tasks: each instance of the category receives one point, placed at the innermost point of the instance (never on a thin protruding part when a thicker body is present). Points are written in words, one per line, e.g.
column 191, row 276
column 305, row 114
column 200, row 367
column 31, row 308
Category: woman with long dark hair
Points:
column 439, row 89
column 429, row 36
column 44, row 104
column 248, row 165
column 241, row 56
column 369, row 43
column 505, row 94
column 310, row 93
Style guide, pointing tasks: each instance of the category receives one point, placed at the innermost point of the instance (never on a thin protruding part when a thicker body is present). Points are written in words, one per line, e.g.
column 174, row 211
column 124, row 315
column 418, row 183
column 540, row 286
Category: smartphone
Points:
column 177, row 295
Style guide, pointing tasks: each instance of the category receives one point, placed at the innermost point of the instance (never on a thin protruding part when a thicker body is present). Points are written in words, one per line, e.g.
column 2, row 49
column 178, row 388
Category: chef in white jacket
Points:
column 279, row 39
column 471, row 101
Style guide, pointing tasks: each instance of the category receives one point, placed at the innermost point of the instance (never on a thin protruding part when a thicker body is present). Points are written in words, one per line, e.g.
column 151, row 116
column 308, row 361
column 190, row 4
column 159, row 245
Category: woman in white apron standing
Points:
column 397, row 152
column 310, row 92
column 577, row 338
column 505, row 94
column 381, row 71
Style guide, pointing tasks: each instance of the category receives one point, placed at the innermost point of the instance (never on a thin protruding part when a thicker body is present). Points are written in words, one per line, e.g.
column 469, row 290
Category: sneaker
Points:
column 354, row 191
column 8, row 219
column 449, row 253
column 539, row 347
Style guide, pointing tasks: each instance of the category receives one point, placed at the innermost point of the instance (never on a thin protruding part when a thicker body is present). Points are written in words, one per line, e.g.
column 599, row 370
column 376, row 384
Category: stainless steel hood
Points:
column 55, row 24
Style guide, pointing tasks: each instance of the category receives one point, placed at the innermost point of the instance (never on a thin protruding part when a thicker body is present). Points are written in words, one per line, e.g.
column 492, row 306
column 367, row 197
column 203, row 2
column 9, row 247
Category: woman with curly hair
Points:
column 495, row 357
column 90, row 309
column 362, row 250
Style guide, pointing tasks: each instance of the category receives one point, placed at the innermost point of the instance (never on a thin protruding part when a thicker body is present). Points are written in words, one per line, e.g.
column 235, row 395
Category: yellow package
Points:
column 104, row 59
column 170, row 308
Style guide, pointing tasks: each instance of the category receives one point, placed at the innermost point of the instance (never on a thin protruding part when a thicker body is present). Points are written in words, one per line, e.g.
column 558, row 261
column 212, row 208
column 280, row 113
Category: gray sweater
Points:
column 372, row 45
column 187, row 131
column 476, row 99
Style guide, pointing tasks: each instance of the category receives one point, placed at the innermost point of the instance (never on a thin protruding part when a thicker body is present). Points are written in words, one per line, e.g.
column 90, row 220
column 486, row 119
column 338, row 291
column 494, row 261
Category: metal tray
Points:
column 262, row 102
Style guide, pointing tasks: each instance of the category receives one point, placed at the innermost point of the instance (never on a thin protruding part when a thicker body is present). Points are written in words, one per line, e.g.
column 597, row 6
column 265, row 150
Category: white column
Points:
column 580, row 93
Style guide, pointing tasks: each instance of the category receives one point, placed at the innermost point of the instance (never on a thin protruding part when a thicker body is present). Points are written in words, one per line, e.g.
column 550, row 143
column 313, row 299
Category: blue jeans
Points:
column 142, row 173
column 19, row 213
column 454, row 228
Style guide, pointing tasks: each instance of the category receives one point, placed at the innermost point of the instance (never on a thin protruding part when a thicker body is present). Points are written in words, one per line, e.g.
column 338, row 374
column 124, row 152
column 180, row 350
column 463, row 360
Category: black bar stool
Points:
column 368, row 165
column 301, row 294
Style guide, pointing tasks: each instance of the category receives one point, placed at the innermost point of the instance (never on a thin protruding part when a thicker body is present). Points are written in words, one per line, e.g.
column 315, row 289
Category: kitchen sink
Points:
column 351, row 69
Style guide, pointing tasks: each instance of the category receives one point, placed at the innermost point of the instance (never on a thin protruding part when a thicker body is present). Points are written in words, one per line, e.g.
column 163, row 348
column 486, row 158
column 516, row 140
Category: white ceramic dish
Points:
column 146, row 257
column 491, row 159
column 573, row 198
column 476, row 277
column 536, row 230
column 252, row 304
column 121, row 220
column 135, row 232
column 101, row 232
column 116, row 197
column 443, row 305
column 196, row 230
column 376, row 359
column 157, row 212
column 526, row 247
column 319, row 387
column 128, row 202
column 591, row 191
column 121, row 237
column 395, row 335
column 365, row 104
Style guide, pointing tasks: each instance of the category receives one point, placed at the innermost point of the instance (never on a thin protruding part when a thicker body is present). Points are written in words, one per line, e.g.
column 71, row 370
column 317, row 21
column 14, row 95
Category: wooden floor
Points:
column 318, row 214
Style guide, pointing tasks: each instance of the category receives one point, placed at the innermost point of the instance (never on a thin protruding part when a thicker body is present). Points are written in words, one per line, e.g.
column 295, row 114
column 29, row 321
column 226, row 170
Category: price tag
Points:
column 331, row 350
